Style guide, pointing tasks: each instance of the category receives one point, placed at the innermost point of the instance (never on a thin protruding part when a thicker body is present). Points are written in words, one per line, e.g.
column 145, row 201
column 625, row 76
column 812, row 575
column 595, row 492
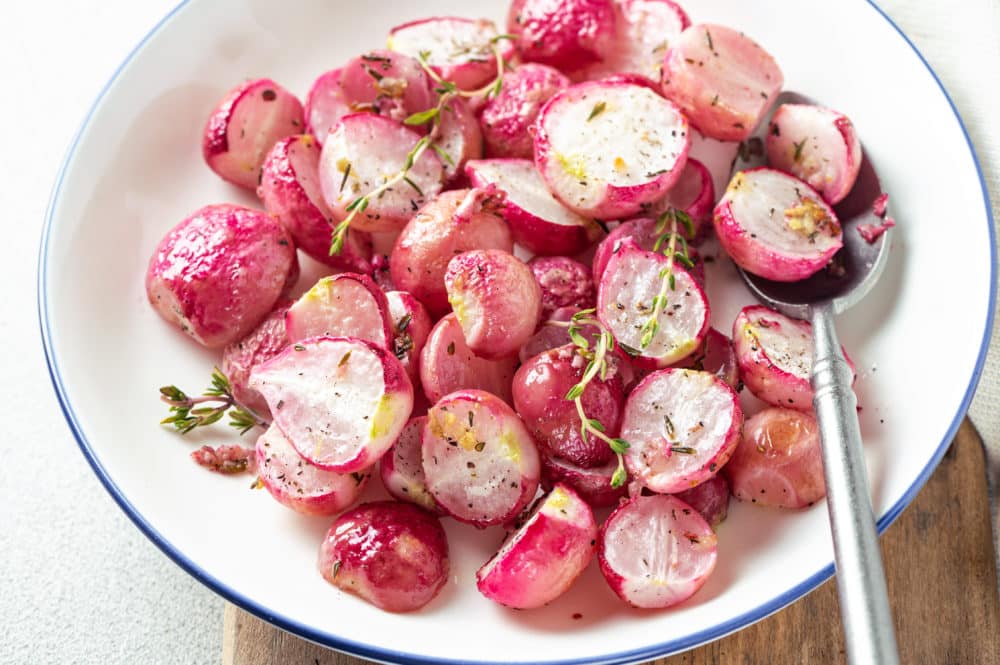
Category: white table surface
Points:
column 78, row 582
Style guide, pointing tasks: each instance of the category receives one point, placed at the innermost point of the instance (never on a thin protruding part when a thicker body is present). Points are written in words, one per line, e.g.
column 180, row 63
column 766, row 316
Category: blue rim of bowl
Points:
column 393, row 656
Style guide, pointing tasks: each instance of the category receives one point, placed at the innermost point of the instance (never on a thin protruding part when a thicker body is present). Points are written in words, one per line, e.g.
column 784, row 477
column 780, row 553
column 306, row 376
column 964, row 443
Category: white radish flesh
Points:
column 325, row 105
column 387, row 83
column 460, row 140
column 239, row 358
column 401, row 468
column 343, row 305
column 447, row 364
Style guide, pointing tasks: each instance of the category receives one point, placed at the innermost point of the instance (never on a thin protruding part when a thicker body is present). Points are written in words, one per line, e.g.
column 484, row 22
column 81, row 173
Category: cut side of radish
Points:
column 402, row 468
column 411, row 325
column 565, row 282
column 344, row 305
column 325, row 105
column 592, row 485
column 448, row 364
column 694, row 193
column 387, row 83
column 461, row 138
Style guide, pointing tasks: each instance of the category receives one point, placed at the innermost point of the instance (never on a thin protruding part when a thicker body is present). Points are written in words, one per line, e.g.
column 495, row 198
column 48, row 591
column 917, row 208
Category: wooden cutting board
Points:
column 942, row 587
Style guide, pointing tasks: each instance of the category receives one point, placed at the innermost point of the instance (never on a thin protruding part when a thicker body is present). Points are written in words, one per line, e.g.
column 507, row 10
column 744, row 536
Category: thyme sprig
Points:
column 187, row 413
column 668, row 233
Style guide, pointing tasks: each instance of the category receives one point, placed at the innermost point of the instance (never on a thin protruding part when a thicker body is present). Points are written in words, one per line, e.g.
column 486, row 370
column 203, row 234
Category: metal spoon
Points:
column 864, row 601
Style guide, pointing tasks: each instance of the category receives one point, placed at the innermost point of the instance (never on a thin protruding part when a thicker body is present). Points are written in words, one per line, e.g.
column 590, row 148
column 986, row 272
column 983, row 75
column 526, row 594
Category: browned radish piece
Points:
column 481, row 465
column 779, row 462
column 390, row 84
column 543, row 558
column 452, row 223
column 625, row 295
column 655, row 551
column 340, row 401
column 717, row 356
column 402, row 470
column 344, row 305
column 817, row 145
column 565, row 282
column 710, row 499
column 721, row 79
column 301, row 486
column 776, row 226
column 682, row 426
column 393, row 555
column 694, row 193
column 551, row 336
column 507, row 117
column 325, row 105
column 606, row 148
column 289, row 188
column 538, row 221
column 593, row 485
column 496, row 300
column 239, row 358
column 360, row 155
column 540, row 388
column 218, row 273
column 411, row 325
column 447, row 364
column 459, row 49
column 775, row 355
column 243, row 127
column 566, row 34
column 643, row 231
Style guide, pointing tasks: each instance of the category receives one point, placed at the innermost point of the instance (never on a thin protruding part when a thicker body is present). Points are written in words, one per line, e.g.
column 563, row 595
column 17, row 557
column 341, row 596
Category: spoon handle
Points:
column 864, row 601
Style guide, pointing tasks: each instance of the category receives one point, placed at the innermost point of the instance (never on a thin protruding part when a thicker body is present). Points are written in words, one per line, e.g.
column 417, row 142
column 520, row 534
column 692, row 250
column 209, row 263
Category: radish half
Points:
column 343, row 305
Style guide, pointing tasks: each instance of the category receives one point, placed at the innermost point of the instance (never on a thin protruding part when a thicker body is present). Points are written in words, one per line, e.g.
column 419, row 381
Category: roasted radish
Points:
column 717, row 356
column 411, row 325
column 550, row 335
column 645, row 232
column 693, row 193
column 776, row 226
column 593, row 484
column 325, row 105
column 543, row 558
column 564, row 282
column 507, row 117
column 402, row 470
column 387, row 83
column 239, row 358
column 711, row 498
column 682, row 426
column 447, row 364
column 344, row 305
column 481, row 465
column 461, row 138
column 566, row 34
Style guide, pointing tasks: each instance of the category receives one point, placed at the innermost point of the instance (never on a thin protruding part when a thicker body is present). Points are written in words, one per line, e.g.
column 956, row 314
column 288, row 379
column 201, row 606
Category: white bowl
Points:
column 135, row 170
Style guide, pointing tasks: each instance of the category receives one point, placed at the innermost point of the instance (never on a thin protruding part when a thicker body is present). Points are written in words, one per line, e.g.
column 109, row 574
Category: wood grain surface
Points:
column 942, row 587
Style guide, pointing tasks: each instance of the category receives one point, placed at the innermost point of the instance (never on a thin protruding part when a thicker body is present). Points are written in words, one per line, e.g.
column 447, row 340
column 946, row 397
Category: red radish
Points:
column 340, row 401
column 496, row 300
column 711, row 498
column 380, row 272
column 779, row 462
column 447, row 364
column 402, row 470
column 543, row 558
column 656, row 551
column 717, row 356
column 344, row 305
column 625, row 297
column 565, row 282
column 506, row 118
column 361, row 153
column 551, row 336
column 481, row 465
column 393, row 555
column 325, row 105
column 817, row 145
column 606, row 148
column 299, row 485
column 682, row 426
column 411, row 325
column 566, row 34
column 218, row 273
column 459, row 49
column 593, row 485
column 289, row 189
column 694, row 193
column 461, row 138
column 721, row 79
column 776, row 226
column 775, row 355
column 387, row 83
column 244, row 125
column 239, row 358
column 538, row 221
column 644, row 232
column 451, row 223
column 540, row 388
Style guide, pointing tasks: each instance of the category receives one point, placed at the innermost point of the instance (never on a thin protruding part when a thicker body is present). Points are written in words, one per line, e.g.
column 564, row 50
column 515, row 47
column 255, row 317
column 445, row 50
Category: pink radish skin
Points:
column 373, row 146
column 411, row 325
column 779, row 462
column 506, row 118
column 540, row 388
column 343, row 305
column 776, row 226
column 461, row 138
column 325, row 105
column 642, row 231
column 565, row 34
column 239, row 358
column 496, row 300
column 565, row 282
column 481, row 465
column 594, row 147
column 458, row 49
column 817, row 145
column 454, row 222
column 593, row 485
column 656, row 551
column 694, row 193
column 543, row 558
column 243, row 126
column 711, row 498
column 289, row 189
column 775, row 355
column 538, row 221
column 401, row 468
column 380, row 272
column 552, row 336
column 722, row 80
column 341, row 401
column 387, row 83
column 393, row 555
column 218, row 273
column 682, row 425
column 447, row 364
column 716, row 356
column 300, row 486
